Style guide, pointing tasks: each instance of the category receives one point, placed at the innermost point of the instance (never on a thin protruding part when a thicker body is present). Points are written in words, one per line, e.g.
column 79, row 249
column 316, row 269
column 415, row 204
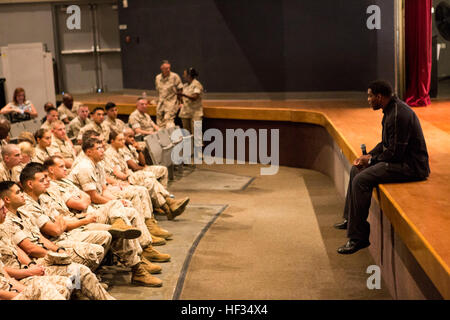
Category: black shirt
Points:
column 402, row 139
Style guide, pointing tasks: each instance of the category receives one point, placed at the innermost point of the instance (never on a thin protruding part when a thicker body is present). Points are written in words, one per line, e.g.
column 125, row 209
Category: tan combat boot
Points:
column 157, row 241
column 154, row 255
column 159, row 211
column 150, row 267
column 156, row 230
column 119, row 229
column 176, row 207
column 140, row 276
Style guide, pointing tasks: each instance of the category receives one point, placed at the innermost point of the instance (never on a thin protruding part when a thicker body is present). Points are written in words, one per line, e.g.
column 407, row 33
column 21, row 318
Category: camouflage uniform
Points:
column 59, row 275
column 140, row 120
column 160, row 172
column 167, row 106
column 116, row 125
column 75, row 126
column 102, row 130
column 64, row 112
column 41, row 155
column 87, row 247
column 45, row 288
column 63, row 148
column 15, row 173
column 37, row 288
column 89, row 176
column 5, row 173
column 46, row 125
column 60, row 192
column 114, row 158
column 192, row 112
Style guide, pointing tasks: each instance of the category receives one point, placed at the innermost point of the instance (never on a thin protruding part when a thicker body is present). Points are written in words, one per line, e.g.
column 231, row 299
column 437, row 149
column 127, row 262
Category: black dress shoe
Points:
column 341, row 225
column 352, row 246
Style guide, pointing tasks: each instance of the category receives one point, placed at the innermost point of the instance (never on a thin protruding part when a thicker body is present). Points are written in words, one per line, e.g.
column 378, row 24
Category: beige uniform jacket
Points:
column 117, row 125
column 16, row 171
column 39, row 215
column 87, row 175
column 20, row 227
column 65, row 112
column 56, row 198
column 141, row 120
column 5, row 173
column 75, row 126
column 63, row 148
column 46, row 125
column 102, row 130
column 192, row 108
column 113, row 159
column 131, row 153
column 166, row 88
column 40, row 154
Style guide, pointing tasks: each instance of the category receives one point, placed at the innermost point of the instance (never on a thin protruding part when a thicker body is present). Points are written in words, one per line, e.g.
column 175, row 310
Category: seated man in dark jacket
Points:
column 401, row 156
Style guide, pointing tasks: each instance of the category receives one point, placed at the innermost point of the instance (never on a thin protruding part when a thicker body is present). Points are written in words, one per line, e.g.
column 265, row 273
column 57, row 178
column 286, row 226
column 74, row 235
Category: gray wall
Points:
column 254, row 46
column 32, row 22
column 26, row 23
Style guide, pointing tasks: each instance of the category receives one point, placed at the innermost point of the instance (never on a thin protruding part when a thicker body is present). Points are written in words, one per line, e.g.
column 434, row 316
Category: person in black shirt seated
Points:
column 401, row 156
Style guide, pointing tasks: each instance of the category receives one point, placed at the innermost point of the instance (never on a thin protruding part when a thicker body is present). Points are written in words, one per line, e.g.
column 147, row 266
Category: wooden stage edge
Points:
column 418, row 211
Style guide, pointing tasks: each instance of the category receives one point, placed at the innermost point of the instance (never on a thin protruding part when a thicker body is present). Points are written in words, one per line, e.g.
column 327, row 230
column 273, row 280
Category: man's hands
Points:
column 36, row 271
column 362, row 161
column 90, row 218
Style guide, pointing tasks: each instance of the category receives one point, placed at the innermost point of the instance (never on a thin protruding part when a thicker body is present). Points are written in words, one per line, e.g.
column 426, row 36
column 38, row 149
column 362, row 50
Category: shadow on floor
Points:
column 349, row 270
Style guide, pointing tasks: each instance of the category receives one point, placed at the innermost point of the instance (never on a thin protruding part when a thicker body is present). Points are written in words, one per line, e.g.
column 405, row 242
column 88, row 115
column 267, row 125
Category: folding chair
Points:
column 16, row 130
column 160, row 155
column 31, row 125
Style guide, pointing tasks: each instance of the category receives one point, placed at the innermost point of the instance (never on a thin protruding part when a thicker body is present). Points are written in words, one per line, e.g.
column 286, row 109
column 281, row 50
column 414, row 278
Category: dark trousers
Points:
column 359, row 193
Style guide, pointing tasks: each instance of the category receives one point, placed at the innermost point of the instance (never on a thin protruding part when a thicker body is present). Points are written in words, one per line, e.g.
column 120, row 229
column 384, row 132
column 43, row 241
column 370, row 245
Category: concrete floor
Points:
column 247, row 236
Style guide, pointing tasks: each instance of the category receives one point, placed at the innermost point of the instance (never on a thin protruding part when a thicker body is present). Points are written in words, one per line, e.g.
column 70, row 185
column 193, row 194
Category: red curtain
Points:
column 418, row 52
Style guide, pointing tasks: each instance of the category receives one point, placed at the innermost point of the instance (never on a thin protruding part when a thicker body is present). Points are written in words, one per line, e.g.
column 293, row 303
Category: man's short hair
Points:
column 381, row 87
column 165, row 62
column 5, row 187
column 8, row 149
column 109, row 105
column 48, row 105
column 88, row 134
column 50, row 109
column 128, row 131
column 55, row 123
column 67, row 96
column 142, row 98
column 98, row 108
column 50, row 161
column 89, row 144
column 29, row 172
column 5, row 127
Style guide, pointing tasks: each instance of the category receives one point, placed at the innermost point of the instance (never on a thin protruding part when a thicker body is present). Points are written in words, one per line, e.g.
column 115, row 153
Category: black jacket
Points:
column 402, row 142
